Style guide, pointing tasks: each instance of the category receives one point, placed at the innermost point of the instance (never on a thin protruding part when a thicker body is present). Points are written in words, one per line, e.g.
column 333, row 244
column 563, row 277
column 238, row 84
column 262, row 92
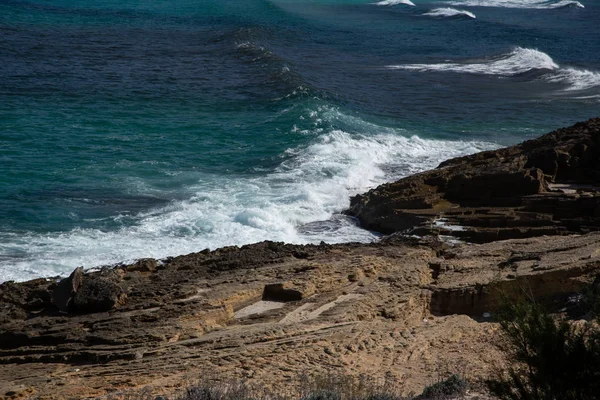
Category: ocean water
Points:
column 156, row 128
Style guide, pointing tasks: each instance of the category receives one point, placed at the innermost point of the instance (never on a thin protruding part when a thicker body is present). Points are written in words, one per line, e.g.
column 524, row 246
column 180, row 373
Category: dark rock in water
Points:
column 98, row 294
column 546, row 186
column 66, row 289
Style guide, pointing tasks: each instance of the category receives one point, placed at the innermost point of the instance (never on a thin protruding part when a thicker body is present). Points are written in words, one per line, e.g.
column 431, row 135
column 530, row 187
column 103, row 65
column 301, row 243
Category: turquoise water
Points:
column 154, row 128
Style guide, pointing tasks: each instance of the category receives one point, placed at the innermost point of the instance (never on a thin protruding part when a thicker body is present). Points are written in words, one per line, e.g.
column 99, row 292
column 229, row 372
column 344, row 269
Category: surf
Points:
column 518, row 61
column 394, row 2
column 449, row 13
column 298, row 202
column 533, row 4
column 575, row 79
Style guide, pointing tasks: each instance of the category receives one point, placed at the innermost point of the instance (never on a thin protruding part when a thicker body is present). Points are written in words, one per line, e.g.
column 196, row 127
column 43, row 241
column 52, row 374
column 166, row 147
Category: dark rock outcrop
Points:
column 66, row 289
column 89, row 293
column 98, row 294
column 546, row 186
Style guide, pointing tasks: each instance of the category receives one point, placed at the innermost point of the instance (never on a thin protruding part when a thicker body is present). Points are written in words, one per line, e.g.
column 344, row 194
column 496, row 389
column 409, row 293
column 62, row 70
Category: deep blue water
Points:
column 153, row 128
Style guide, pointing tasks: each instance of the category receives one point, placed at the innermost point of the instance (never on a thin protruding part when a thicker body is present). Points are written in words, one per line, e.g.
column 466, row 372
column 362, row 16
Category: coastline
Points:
column 528, row 214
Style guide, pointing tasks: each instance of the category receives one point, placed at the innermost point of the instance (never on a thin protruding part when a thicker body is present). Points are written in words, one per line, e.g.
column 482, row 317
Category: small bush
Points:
column 382, row 396
column 552, row 358
column 319, row 387
column 453, row 386
column 236, row 391
column 591, row 298
column 323, row 395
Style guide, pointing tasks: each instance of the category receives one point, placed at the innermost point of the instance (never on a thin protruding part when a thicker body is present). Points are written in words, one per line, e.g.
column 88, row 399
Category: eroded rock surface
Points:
column 387, row 309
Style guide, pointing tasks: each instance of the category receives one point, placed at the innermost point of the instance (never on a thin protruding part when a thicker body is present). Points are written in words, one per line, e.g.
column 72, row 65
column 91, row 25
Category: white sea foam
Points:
column 535, row 4
column 516, row 62
column 394, row 2
column 447, row 12
column 313, row 184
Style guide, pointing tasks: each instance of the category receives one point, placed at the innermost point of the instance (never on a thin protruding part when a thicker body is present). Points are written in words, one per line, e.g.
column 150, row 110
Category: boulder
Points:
column 98, row 294
column 66, row 289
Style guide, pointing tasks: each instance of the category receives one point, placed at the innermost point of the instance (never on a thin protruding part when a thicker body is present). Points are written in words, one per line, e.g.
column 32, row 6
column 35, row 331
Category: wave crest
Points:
column 449, row 12
column 518, row 61
column 575, row 79
column 534, row 4
column 394, row 2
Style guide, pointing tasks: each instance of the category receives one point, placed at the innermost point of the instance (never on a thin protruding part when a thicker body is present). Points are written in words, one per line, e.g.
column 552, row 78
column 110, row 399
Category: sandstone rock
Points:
column 98, row 294
column 66, row 289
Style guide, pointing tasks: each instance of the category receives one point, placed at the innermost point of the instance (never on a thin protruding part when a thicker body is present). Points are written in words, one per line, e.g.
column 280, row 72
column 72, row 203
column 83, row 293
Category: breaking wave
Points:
column 394, row 2
column 298, row 202
column 535, row 4
column 575, row 79
column 517, row 62
column 449, row 12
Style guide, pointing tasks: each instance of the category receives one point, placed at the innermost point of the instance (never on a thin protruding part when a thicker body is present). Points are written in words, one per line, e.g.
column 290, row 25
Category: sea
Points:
column 156, row 128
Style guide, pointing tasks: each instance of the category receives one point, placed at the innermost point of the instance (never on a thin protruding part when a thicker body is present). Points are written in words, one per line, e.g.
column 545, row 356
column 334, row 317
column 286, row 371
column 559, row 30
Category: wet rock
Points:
column 11, row 312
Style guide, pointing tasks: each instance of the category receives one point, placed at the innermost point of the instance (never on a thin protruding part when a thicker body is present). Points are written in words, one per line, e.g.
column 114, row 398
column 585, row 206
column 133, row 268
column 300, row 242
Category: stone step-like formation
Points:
column 546, row 186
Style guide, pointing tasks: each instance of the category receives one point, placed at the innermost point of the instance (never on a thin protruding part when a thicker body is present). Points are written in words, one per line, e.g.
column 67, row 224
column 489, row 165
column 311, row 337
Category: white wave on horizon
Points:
column 533, row 4
column 449, row 12
column 314, row 184
column 394, row 3
column 518, row 61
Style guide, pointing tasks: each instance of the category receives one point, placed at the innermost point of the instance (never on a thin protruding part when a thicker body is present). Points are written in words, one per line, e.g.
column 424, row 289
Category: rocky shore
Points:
column 410, row 308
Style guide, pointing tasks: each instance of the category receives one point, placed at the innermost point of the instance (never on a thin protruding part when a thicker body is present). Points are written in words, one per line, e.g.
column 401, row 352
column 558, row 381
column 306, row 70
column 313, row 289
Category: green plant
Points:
column 221, row 391
column 453, row 386
column 590, row 298
column 323, row 395
column 552, row 359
